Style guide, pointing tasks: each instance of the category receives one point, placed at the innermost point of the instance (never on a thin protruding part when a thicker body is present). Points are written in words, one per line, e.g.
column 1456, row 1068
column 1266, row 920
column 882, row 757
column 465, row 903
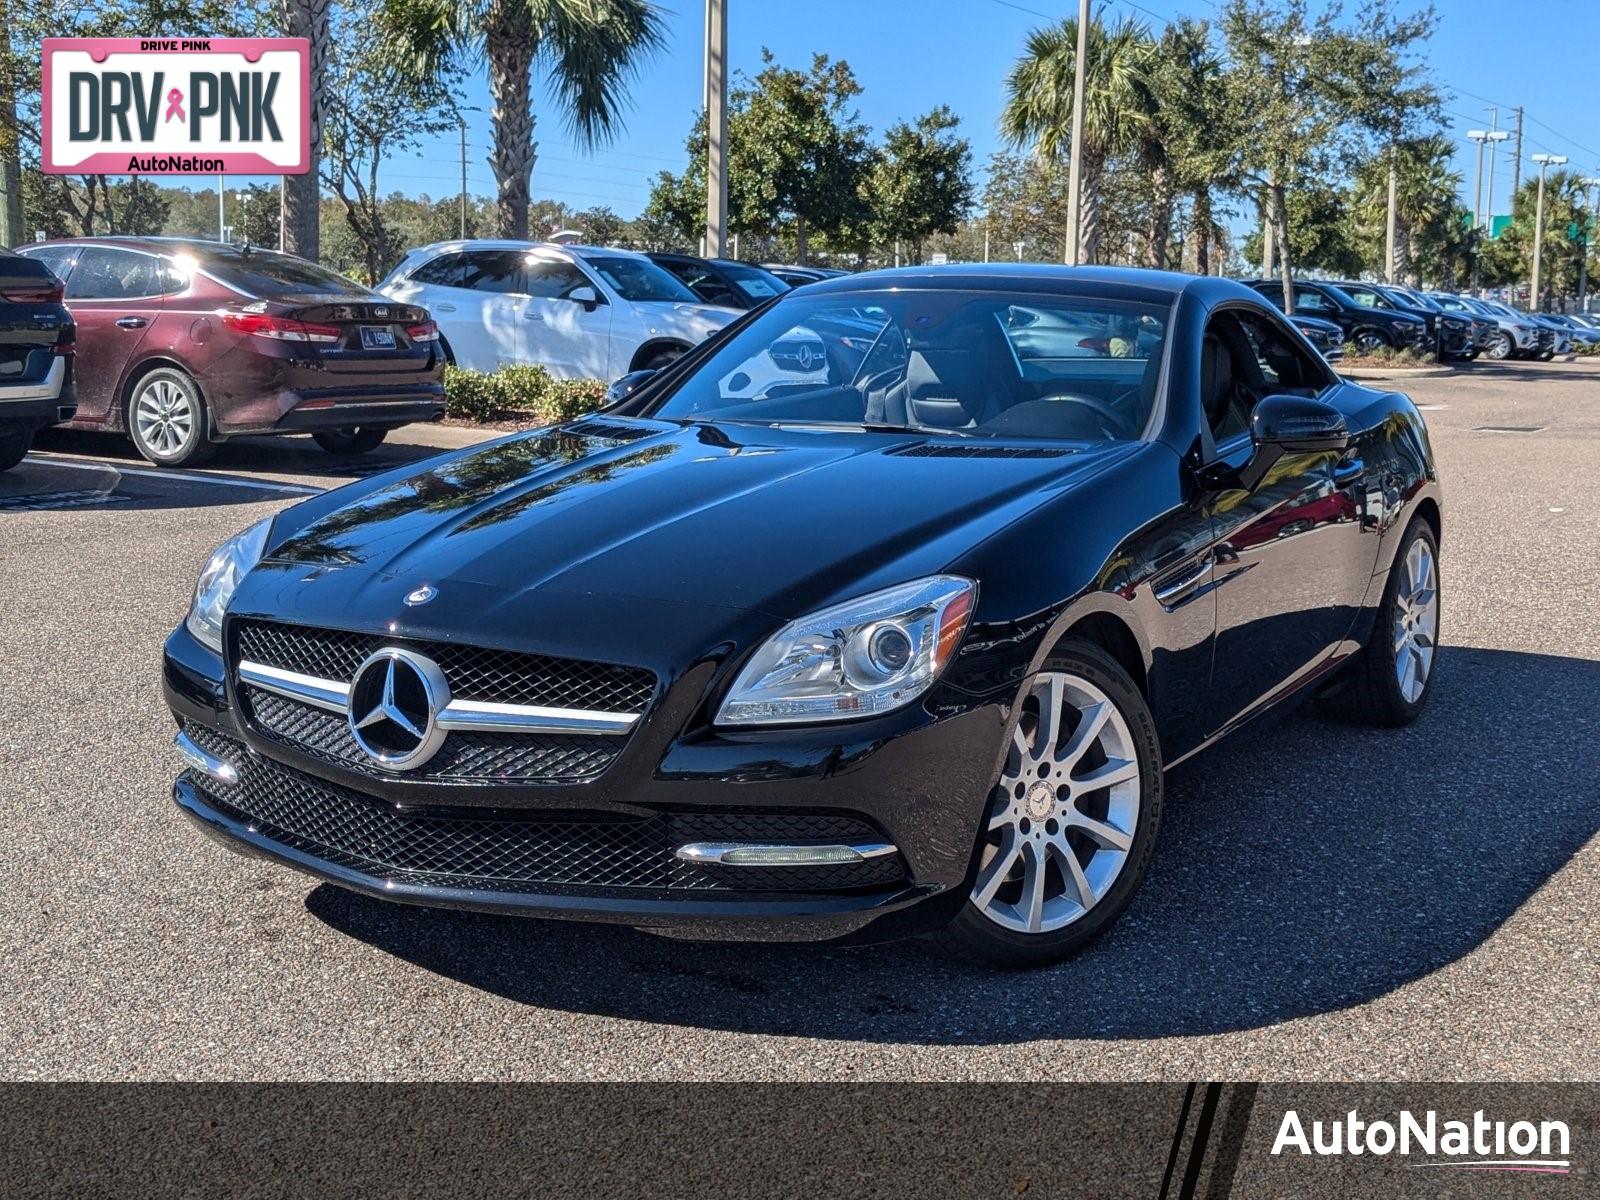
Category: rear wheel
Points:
column 1388, row 682
column 355, row 439
column 13, row 447
column 167, row 419
column 1071, row 820
column 1368, row 340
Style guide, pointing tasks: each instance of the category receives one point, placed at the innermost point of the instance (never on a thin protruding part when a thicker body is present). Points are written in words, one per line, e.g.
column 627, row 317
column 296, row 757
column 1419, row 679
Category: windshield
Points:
column 753, row 281
column 268, row 275
column 943, row 361
column 1417, row 300
column 640, row 279
column 1361, row 297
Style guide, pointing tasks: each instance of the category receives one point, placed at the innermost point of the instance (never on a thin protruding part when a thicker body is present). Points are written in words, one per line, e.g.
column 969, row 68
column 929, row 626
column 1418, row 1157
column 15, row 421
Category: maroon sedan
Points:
column 185, row 344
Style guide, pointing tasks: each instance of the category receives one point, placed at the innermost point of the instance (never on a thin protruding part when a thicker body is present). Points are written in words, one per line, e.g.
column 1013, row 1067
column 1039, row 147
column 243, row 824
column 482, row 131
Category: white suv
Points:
column 581, row 312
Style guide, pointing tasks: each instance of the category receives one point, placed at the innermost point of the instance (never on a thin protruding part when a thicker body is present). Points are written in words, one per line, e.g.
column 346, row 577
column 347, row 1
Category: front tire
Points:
column 1389, row 680
column 1369, row 340
column 167, row 419
column 14, row 447
column 1071, row 820
column 664, row 357
column 357, row 439
column 1501, row 346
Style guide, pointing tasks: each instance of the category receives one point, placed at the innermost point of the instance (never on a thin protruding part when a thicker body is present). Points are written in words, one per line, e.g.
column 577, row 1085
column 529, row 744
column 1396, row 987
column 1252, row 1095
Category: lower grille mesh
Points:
column 545, row 852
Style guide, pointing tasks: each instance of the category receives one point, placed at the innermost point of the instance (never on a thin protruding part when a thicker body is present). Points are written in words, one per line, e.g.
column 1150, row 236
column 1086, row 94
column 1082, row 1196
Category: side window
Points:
column 496, row 271
column 58, row 258
column 444, row 271
column 1284, row 366
column 554, row 279
column 1308, row 301
column 170, row 279
column 104, row 273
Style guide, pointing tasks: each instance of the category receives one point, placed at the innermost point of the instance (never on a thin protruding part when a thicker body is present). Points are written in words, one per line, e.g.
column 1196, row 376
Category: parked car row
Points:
column 184, row 344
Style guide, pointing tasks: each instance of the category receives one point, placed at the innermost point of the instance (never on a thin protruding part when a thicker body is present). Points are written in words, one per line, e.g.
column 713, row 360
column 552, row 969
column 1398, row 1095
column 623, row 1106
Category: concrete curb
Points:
column 1394, row 372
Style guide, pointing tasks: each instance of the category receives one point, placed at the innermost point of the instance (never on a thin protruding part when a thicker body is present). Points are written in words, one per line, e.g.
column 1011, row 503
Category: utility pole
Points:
column 1075, row 163
column 222, row 211
column 1544, row 160
column 1516, row 162
column 1480, row 136
column 716, row 81
column 463, row 178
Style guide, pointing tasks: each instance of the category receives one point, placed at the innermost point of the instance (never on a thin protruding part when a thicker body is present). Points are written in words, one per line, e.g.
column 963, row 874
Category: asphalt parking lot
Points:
column 1327, row 902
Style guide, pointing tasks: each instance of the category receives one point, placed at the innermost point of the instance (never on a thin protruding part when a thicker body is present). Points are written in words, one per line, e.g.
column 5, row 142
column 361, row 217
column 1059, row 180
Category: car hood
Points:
column 739, row 516
column 692, row 321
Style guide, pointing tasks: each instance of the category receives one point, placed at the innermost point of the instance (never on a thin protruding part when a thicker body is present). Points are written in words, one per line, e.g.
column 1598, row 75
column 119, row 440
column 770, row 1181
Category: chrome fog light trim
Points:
column 204, row 761
column 757, row 854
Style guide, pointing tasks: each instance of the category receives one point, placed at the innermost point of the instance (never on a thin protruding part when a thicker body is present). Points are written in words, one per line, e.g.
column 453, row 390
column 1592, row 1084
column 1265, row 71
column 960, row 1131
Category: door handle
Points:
column 1174, row 589
column 1349, row 471
column 532, row 316
column 131, row 323
column 444, row 308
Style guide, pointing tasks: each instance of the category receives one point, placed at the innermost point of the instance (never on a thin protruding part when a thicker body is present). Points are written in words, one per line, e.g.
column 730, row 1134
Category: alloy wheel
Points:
column 165, row 416
column 1064, row 812
column 1367, row 341
column 1500, row 346
column 1416, row 620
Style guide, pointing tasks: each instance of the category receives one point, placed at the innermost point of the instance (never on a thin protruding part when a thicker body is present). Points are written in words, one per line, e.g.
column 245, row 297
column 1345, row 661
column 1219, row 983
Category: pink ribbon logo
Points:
column 175, row 105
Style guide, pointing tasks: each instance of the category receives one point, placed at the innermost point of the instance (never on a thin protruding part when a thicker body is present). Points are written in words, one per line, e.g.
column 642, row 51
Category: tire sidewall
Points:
column 1383, row 636
column 196, row 447
column 14, row 447
column 975, row 936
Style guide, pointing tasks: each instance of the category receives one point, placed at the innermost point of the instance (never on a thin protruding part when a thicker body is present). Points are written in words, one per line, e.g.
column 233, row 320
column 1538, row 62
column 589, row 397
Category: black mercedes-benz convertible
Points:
column 894, row 636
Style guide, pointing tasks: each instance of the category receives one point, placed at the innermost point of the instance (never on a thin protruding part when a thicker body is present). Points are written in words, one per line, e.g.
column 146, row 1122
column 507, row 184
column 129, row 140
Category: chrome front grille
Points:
column 474, row 674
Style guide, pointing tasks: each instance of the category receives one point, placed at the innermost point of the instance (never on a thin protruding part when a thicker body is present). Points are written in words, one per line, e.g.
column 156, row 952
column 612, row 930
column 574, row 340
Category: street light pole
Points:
column 1075, row 162
column 1544, row 160
column 1480, row 136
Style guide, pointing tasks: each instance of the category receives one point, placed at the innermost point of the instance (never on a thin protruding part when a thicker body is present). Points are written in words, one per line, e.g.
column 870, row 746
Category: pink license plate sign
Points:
column 177, row 106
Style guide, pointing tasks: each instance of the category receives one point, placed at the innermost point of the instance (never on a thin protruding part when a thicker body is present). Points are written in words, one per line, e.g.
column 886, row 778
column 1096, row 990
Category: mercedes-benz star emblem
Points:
column 421, row 595
column 395, row 701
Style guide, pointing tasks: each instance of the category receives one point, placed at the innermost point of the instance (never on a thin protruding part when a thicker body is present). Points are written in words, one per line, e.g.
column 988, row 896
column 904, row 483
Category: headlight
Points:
column 220, row 578
column 865, row 656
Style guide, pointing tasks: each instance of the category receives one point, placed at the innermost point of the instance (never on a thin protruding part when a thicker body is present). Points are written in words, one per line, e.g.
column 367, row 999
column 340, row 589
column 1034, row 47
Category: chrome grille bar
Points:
column 481, row 715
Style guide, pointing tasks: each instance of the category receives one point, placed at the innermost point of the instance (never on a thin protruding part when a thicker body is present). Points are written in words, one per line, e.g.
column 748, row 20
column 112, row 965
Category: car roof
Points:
column 1126, row 283
column 573, row 249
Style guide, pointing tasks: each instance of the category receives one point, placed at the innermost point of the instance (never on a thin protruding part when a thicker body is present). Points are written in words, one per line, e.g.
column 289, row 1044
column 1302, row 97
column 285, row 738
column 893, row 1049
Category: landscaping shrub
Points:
column 523, row 393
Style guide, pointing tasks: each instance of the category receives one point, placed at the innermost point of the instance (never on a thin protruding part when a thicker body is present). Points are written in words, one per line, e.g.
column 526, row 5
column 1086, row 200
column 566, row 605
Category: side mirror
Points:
column 629, row 384
column 585, row 296
column 1283, row 425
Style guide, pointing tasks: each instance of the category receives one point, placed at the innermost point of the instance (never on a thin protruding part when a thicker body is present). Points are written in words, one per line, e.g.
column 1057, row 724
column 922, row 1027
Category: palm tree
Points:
column 1192, row 138
column 1425, row 190
column 1038, row 107
column 588, row 50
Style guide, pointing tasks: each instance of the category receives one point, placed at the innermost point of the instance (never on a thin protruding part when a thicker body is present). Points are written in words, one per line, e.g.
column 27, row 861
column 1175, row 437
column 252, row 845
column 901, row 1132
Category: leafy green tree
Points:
column 256, row 211
column 1323, row 236
column 601, row 226
column 920, row 183
column 1038, row 109
column 1508, row 259
column 1294, row 99
column 587, row 49
column 375, row 109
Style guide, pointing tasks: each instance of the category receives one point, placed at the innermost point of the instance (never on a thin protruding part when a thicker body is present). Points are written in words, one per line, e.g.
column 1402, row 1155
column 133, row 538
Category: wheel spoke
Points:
column 994, row 874
column 1051, row 707
column 1113, row 772
column 1408, row 674
column 1019, row 741
column 1088, row 731
column 1104, row 834
column 1034, row 874
column 1072, row 872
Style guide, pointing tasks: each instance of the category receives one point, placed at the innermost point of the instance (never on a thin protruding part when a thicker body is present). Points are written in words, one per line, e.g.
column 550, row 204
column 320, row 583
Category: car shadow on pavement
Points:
column 1304, row 867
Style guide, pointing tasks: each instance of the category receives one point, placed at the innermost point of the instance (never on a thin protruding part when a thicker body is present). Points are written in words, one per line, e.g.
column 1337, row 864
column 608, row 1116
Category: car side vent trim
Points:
column 615, row 432
column 945, row 450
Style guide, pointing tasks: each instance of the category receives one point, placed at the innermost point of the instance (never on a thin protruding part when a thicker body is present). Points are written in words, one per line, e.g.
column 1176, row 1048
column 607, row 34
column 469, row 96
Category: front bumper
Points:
column 604, row 850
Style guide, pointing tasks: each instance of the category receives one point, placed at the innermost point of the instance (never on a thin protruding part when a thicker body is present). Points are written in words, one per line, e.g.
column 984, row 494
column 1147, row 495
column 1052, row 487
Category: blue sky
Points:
column 913, row 54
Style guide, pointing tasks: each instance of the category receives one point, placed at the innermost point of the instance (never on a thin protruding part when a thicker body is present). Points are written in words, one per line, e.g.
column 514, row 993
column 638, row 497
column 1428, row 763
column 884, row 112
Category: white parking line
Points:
column 290, row 489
